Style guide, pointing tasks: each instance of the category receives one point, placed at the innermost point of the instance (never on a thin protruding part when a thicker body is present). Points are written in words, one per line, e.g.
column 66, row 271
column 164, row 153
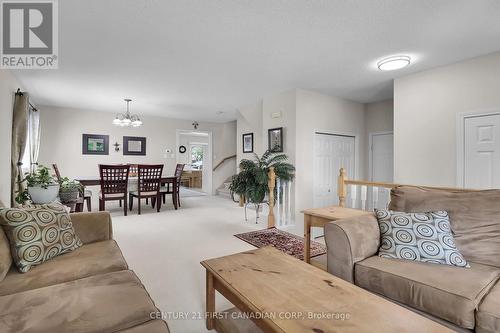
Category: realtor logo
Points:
column 29, row 34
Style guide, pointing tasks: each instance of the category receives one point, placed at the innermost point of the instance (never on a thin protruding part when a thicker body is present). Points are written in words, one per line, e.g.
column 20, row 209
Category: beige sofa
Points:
column 461, row 298
column 88, row 290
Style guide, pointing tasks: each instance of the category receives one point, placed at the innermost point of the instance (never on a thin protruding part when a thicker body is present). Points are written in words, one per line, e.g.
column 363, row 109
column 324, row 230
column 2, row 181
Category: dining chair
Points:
column 148, row 186
column 114, row 185
column 175, row 189
column 87, row 194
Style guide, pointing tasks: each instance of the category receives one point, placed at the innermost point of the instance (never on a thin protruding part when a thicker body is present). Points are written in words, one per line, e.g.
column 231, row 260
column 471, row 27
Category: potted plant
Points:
column 252, row 181
column 69, row 190
column 41, row 187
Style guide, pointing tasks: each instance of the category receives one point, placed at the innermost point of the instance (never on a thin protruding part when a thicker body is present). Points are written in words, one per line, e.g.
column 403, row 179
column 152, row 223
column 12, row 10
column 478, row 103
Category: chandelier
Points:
column 127, row 119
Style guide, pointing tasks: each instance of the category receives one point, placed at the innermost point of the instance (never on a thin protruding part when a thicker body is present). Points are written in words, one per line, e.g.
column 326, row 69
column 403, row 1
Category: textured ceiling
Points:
column 203, row 59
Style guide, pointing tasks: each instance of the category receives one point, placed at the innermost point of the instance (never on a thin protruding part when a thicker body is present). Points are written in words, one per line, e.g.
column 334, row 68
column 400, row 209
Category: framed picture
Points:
column 275, row 139
column 134, row 145
column 248, row 143
column 95, row 144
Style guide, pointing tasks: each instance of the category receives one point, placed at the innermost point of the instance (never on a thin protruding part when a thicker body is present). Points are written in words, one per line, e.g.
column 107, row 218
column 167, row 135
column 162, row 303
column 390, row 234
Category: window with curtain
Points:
column 32, row 146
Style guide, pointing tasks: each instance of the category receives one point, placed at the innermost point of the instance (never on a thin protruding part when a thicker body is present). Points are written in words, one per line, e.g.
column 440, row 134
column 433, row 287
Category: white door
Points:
column 331, row 152
column 482, row 152
column 382, row 157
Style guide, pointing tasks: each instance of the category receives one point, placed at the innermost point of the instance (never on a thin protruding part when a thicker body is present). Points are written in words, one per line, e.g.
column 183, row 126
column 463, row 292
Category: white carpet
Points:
column 165, row 250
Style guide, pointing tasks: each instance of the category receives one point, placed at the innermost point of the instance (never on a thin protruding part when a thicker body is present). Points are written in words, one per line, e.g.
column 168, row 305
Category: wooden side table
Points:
column 318, row 217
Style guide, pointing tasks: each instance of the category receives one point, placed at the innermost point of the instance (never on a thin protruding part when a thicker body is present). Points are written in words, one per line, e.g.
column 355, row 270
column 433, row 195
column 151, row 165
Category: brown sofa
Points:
column 461, row 298
column 88, row 290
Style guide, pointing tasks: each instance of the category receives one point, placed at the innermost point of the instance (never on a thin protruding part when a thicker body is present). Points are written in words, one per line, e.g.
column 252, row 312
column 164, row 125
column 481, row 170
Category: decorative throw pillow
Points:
column 418, row 236
column 38, row 233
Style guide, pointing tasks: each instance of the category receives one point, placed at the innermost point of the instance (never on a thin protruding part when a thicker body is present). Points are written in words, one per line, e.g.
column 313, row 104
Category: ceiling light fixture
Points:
column 394, row 63
column 126, row 119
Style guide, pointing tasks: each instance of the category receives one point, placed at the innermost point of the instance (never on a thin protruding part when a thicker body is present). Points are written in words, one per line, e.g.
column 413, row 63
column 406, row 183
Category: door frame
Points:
column 356, row 153
column 460, row 137
column 209, row 152
column 370, row 151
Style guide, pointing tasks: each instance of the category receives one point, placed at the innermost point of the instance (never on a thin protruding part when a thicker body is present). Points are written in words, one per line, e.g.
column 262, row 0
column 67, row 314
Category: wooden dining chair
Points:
column 87, row 194
column 148, row 186
column 114, row 185
column 174, row 189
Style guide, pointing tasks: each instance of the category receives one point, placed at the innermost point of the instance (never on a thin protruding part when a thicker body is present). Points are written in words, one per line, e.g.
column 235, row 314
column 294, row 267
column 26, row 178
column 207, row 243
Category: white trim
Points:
column 460, row 145
column 370, row 151
column 210, row 153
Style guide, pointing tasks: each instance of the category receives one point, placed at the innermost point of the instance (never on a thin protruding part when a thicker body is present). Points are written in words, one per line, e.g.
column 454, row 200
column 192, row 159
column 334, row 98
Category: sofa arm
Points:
column 92, row 227
column 349, row 241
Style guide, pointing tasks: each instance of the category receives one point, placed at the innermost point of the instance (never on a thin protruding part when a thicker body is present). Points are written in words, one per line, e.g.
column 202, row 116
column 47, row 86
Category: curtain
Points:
column 19, row 136
column 34, row 137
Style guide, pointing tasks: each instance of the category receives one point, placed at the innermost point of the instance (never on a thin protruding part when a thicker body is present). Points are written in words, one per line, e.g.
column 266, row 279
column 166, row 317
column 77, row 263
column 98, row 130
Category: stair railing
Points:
column 356, row 193
column 222, row 161
column 279, row 206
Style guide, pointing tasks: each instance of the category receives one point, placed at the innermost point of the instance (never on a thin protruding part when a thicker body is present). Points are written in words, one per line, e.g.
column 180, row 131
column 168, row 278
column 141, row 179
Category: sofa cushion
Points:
column 5, row 255
column 90, row 259
column 152, row 326
column 38, row 233
column 488, row 314
column 101, row 303
column 448, row 292
column 418, row 236
column 474, row 217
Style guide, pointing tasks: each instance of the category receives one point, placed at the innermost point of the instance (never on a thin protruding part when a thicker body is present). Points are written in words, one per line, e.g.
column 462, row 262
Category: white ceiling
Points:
column 195, row 58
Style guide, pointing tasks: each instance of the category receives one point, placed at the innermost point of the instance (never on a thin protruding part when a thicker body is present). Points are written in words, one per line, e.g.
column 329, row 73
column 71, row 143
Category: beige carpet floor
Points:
column 165, row 250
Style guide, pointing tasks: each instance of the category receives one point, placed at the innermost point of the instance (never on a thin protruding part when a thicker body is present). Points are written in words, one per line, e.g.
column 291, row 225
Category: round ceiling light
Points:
column 393, row 63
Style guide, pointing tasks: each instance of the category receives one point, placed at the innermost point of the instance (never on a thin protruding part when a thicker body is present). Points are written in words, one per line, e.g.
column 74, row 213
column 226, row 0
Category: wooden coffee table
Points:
column 283, row 294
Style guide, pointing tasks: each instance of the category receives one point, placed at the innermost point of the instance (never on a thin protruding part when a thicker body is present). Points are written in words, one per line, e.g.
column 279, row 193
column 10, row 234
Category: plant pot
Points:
column 40, row 195
column 69, row 196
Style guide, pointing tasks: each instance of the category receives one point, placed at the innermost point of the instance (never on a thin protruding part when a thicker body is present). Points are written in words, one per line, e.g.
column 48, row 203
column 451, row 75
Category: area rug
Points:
column 284, row 241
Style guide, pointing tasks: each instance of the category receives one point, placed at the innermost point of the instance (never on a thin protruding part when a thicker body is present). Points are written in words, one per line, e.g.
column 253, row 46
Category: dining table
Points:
column 132, row 186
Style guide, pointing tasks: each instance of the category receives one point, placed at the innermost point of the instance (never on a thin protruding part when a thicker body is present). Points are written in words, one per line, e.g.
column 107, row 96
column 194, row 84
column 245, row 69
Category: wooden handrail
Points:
column 343, row 182
column 223, row 160
column 271, row 183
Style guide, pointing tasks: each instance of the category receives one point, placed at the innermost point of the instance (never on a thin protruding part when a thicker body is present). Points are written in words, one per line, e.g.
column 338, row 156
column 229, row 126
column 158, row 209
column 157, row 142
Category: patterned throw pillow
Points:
column 38, row 233
column 418, row 236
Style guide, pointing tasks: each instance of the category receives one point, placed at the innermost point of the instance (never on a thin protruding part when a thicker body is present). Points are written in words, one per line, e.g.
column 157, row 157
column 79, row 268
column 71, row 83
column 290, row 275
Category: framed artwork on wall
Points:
column 247, row 142
column 95, row 144
column 134, row 145
column 275, row 139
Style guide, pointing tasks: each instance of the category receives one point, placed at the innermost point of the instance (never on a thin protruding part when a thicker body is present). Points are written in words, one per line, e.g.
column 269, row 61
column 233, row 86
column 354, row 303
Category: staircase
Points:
column 223, row 190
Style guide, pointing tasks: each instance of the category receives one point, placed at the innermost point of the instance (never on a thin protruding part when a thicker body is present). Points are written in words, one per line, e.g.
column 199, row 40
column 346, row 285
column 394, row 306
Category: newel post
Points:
column 342, row 188
column 271, row 184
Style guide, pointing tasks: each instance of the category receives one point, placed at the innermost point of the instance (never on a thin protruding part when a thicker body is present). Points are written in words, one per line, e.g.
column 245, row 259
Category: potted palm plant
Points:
column 41, row 187
column 252, row 181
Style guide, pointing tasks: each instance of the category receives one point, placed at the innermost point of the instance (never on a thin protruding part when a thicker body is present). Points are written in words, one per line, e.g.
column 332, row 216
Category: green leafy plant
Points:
column 70, row 185
column 40, row 177
column 252, row 181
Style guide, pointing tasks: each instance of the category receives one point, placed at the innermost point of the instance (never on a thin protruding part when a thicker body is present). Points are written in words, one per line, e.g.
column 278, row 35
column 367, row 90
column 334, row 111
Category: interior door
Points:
column 482, row 152
column 382, row 157
column 331, row 152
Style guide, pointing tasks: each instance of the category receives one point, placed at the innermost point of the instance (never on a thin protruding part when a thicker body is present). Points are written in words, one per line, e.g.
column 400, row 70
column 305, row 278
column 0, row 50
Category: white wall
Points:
column 61, row 141
column 329, row 114
column 426, row 106
column 249, row 121
column 379, row 117
column 8, row 86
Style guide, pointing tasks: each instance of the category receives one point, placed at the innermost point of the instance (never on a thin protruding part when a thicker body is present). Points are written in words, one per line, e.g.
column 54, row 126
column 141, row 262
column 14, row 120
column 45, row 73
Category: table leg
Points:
column 307, row 238
column 210, row 302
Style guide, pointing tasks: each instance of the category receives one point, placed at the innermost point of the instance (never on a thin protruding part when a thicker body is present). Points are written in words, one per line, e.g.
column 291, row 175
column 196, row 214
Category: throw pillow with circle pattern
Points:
column 423, row 237
column 38, row 233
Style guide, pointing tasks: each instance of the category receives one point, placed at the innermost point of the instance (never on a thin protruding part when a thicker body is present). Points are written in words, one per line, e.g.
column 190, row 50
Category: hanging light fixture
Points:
column 126, row 119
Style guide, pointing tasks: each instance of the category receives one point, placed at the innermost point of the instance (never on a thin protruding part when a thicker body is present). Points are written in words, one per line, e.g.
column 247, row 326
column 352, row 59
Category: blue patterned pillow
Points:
column 418, row 236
